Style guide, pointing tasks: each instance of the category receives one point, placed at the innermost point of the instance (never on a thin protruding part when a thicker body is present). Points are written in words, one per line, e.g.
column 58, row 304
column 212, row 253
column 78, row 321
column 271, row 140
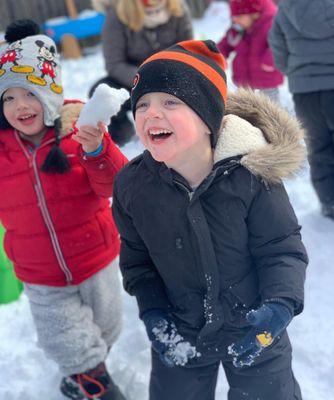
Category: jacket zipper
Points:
column 46, row 216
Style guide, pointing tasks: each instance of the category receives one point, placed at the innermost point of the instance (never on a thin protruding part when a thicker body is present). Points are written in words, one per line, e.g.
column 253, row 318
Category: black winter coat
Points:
column 210, row 255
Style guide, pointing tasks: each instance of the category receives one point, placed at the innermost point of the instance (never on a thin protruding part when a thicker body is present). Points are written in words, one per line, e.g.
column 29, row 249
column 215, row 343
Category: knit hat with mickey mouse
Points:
column 31, row 61
column 193, row 71
column 239, row 7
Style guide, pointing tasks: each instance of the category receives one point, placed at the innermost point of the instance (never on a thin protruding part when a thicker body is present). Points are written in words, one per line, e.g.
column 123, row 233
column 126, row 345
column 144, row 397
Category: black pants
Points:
column 316, row 112
column 121, row 129
column 270, row 378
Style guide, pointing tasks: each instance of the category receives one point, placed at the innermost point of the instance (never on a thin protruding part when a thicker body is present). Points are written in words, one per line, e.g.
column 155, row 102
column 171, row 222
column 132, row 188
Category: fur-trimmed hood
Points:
column 268, row 137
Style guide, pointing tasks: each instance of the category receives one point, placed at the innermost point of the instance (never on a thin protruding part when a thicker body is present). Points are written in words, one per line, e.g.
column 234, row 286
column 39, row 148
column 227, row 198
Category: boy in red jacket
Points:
column 253, row 65
column 55, row 208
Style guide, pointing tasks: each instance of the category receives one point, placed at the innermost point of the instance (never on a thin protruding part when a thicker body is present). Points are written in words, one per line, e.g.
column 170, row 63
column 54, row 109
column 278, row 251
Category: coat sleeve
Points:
column 115, row 49
column 276, row 246
column 264, row 50
column 140, row 277
column 278, row 45
column 102, row 169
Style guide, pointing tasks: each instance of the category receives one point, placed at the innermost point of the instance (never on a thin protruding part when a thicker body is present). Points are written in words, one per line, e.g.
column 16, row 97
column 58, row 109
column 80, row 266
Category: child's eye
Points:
column 171, row 102
column 6, row 99
column 141, row 105
column 30, row 94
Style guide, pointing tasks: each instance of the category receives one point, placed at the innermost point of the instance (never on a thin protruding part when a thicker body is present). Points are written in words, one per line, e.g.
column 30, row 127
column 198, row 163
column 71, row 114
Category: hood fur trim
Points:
column 281, row 154
column 69, row 114
column 237, row 137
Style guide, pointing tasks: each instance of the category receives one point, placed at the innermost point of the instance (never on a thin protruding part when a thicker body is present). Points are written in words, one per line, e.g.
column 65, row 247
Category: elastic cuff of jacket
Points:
column 289, row 304
column 96, row 152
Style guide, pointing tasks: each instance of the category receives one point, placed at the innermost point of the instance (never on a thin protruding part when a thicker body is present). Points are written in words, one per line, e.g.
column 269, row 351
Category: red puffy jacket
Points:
column 59, row 227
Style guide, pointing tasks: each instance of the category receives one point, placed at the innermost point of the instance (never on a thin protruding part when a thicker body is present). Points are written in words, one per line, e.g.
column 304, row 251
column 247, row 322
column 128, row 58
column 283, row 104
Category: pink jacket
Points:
column 253, row 54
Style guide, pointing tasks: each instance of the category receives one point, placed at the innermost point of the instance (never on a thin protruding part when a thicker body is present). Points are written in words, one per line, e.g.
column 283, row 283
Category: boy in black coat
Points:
column 211, row 247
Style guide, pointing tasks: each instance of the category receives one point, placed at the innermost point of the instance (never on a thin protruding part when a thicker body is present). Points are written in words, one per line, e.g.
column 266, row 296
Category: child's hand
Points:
column 90, row 137
column 171, row 347
column 234, row 35
column 268, row 323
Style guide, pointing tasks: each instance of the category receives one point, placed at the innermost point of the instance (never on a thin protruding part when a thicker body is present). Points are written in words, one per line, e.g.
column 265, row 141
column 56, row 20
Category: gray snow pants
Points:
column 76, row 325
column 269, row 378
column 316, row 111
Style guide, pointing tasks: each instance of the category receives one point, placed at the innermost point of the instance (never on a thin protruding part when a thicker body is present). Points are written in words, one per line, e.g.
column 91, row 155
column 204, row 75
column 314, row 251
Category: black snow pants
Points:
column 269, row 378
column 316, row 112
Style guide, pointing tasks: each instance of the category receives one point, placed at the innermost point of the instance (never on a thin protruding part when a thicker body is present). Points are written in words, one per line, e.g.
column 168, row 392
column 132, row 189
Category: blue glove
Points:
column 268, row 322
column 166, row 341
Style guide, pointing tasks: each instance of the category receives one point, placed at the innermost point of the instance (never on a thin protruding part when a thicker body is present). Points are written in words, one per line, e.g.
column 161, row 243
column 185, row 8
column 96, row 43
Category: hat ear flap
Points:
column 56, row 161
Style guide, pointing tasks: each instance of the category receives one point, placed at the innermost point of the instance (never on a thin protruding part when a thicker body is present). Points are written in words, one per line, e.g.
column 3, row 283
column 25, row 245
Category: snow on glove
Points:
column 268, row 322
column 166, row 341
column 104, row 104
column 234, row 35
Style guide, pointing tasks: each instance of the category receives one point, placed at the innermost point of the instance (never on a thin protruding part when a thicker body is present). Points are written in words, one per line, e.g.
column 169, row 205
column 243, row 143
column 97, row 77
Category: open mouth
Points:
column 159, row 134
column 26, row 119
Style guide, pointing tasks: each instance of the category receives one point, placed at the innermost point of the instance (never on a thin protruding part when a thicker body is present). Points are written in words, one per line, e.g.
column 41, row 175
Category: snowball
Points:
column 105, row 103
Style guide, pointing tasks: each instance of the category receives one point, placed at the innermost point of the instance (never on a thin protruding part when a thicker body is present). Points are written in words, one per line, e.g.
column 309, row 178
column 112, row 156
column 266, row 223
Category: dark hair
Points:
column 20, row 29
column 56, row 161
column 4, row 124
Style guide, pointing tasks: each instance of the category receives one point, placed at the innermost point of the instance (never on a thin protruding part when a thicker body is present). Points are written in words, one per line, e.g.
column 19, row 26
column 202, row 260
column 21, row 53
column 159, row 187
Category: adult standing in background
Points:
column 302, row 40
column 133, row 31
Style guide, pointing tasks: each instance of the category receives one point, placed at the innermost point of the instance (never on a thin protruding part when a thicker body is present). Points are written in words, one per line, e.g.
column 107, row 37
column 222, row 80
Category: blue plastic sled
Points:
column 82, row 27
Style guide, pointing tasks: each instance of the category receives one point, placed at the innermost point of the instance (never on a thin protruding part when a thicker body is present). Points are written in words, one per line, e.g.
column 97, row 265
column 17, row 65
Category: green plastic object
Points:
column 10, row 286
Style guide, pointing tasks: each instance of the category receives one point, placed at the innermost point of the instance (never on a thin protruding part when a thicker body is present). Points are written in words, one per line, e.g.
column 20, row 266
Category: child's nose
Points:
column 153, row 112
column 21, row 104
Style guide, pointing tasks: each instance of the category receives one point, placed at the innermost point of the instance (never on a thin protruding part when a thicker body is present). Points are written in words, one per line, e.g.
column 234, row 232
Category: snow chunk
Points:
column 104, row 104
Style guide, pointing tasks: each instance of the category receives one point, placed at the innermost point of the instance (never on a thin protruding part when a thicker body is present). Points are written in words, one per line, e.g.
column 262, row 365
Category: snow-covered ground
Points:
column 25, row 373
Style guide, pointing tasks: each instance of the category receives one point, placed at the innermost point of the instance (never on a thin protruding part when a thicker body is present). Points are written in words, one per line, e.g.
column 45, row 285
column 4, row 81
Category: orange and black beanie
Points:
column 193, row 71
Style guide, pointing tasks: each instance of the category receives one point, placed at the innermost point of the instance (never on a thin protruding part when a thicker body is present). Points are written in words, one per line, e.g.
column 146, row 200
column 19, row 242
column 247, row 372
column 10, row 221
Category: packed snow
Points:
column 26, row 374
column 104, row 104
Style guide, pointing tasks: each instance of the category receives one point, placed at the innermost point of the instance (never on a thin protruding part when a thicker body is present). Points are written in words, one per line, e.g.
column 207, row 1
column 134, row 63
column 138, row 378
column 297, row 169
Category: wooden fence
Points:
column 38, row 10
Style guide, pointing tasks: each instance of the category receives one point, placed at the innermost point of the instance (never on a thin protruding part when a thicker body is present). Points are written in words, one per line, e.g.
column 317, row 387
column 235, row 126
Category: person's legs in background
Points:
column 315, row 111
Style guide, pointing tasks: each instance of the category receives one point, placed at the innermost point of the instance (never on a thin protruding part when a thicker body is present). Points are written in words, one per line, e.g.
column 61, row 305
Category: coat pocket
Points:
column 189, row 309
column 239, row 299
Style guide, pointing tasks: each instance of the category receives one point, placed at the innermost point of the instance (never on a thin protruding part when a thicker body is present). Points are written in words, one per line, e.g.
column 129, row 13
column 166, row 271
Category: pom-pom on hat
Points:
column 239, row 7
column 31, row 62
column 193, row 71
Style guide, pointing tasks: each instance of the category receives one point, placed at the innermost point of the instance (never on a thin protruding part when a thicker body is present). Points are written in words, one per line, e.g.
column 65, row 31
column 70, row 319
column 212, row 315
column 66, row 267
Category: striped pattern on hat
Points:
column 193, row 71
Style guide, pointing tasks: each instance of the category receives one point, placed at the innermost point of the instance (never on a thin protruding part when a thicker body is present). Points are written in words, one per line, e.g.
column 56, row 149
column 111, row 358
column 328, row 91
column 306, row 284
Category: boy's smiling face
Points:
column 171, row 131
column 24, row 112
